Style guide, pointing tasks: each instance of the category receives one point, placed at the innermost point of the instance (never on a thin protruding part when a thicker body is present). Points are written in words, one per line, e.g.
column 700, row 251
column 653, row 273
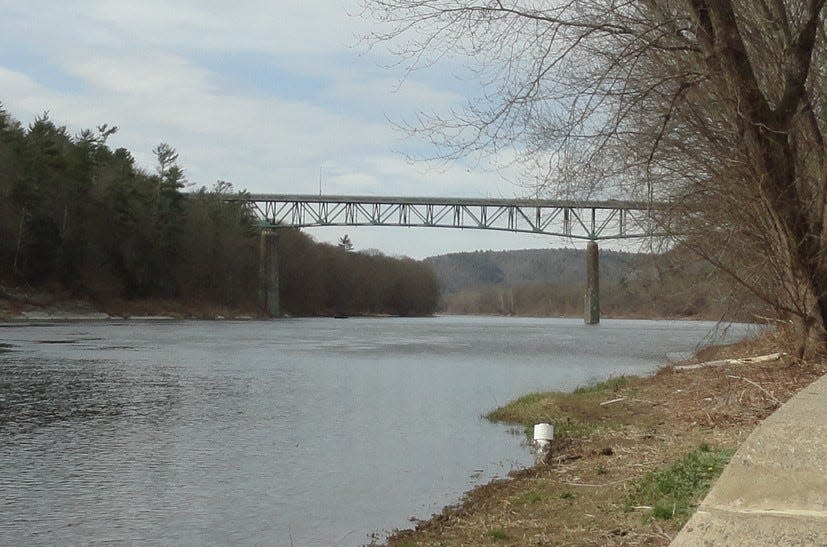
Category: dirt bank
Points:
column 613, row 437
column 17, row 304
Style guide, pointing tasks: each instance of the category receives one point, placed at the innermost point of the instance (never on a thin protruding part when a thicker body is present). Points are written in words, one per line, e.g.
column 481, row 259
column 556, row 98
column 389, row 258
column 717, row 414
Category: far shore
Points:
column 43, row 306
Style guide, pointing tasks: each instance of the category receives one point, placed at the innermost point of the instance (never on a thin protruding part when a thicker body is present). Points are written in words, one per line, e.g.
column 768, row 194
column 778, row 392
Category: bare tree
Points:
column 717, row 106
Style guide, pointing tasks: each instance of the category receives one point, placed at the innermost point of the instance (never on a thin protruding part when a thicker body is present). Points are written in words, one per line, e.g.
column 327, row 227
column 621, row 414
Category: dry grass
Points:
column 584, row 500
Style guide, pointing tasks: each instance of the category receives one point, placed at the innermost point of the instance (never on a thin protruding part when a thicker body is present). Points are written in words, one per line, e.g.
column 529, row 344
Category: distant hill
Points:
column 471, row 270
column 550, row 282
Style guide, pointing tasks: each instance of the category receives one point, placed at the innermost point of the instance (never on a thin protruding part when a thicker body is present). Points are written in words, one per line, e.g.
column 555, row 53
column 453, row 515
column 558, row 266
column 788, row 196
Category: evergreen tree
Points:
column 345, row 243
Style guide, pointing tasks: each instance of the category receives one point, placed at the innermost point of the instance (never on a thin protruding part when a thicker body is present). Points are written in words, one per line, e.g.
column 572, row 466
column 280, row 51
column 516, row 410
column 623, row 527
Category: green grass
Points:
column 497, row 533
column 574, row 414
column 674, row 492
column 525, row 405
column 612, row 384
column 567, row 428
column 530, row 497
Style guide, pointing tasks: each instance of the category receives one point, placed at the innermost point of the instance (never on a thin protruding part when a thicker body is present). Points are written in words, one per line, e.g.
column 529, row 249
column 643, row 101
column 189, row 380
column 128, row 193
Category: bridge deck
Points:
column 491, row 202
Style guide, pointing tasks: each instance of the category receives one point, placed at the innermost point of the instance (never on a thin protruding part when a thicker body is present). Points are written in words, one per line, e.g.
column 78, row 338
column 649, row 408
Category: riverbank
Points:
column 632, row 459
column 19, row 304
column 43, row 305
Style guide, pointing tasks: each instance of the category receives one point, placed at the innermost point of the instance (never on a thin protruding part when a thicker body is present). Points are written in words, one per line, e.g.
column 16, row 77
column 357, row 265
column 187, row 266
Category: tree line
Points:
column 82, row 220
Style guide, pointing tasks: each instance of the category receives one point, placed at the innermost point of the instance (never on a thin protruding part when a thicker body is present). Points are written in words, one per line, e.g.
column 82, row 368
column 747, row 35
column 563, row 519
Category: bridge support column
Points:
column 592, row 297
column 268, row 270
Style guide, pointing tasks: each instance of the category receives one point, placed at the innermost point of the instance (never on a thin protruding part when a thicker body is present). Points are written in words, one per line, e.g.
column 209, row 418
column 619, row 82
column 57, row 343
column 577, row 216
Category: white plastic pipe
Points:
column 543, row 432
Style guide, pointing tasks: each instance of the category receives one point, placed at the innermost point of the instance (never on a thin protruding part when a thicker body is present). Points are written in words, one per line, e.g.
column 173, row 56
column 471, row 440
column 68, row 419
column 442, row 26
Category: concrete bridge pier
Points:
column 268, row 271
column 592, row 297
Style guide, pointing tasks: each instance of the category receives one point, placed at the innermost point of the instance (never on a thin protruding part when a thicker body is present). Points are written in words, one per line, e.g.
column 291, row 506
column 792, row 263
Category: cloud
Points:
column 287, row 29
column 387, row 95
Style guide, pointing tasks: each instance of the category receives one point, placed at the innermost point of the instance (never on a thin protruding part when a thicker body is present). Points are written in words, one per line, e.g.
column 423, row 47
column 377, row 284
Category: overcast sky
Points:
column 266, row 94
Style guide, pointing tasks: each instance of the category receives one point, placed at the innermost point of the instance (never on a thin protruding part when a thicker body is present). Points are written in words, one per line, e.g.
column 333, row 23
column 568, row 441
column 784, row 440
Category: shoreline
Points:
column 611, row 438
column 42, row 306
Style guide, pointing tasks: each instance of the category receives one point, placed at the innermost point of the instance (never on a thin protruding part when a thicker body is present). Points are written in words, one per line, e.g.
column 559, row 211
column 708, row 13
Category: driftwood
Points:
column 728, row 362
column 604, row 403
column 567, row 458
column 747, row 380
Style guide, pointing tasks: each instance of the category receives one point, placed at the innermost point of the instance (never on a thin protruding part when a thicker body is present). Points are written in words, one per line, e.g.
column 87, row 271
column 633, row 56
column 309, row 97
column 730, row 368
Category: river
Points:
column 305, row 432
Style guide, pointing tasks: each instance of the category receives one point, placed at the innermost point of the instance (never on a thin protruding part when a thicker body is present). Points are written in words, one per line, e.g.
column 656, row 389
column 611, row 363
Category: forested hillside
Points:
column 459, row 271
column 80, row 220
column 550, row 282
column 322, row 279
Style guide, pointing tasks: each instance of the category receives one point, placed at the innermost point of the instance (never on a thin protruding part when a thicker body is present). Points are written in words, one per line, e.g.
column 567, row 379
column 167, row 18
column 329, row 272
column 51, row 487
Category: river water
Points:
column 306, row 432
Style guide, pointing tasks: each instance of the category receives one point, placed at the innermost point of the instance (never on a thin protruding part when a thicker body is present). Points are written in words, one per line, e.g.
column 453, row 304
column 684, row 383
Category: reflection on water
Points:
column 316, row 431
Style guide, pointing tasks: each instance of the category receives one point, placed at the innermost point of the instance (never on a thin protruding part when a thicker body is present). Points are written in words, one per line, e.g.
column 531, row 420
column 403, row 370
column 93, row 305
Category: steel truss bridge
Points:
column 585, row 220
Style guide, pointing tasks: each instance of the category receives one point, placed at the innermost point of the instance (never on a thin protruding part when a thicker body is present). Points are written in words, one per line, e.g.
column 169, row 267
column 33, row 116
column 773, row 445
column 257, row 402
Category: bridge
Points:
column 591, row 221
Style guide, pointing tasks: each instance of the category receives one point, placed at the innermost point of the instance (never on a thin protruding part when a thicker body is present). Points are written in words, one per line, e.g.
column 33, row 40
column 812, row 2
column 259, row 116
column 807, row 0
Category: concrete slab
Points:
column 774, row 491
column 721, row 528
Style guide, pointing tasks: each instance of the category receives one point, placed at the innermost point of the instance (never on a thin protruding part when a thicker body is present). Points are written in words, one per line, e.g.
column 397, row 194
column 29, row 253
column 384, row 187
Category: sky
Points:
column 273, row 96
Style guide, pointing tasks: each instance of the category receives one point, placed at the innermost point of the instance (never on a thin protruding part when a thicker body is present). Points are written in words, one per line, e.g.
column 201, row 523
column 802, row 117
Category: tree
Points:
column 169, row 181
column 345, row 243
column 718, row 106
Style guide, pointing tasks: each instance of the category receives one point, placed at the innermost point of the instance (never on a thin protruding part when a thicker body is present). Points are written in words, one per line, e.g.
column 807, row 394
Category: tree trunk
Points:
column 807, row 339
column 766, row 131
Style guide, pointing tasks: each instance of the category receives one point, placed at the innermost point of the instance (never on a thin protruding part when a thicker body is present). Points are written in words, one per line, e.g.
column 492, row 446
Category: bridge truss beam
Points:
column 586, row 220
